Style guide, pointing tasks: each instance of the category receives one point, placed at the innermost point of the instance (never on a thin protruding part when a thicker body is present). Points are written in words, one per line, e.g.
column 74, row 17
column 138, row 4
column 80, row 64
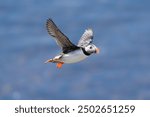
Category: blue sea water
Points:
column 120, row 71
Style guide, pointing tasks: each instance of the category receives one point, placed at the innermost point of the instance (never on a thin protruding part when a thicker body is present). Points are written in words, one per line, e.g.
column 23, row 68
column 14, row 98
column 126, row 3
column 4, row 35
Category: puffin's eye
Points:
column 90, row 47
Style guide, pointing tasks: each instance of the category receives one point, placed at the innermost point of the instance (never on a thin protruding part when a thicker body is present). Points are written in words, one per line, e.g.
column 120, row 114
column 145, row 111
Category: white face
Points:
column 91, row 49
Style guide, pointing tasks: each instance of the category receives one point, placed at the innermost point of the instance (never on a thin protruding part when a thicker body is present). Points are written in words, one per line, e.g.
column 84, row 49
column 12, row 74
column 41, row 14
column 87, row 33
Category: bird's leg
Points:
column 59, row 64
column 53, row 61
column 56, row 59
column 50, row 60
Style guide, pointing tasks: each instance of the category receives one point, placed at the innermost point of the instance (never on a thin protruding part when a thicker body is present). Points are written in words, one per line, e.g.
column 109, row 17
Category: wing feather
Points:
column 86, row 38
column 62, row 40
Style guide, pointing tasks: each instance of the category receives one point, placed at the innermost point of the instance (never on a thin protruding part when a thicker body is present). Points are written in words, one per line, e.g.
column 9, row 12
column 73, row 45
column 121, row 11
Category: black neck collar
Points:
column 86, row 53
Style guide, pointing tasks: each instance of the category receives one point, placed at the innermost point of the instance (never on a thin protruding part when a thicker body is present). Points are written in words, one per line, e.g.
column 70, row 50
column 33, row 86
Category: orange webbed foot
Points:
column 59, row 65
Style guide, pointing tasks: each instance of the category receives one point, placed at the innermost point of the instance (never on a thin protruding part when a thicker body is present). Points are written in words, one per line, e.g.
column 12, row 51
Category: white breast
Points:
column 74, row 56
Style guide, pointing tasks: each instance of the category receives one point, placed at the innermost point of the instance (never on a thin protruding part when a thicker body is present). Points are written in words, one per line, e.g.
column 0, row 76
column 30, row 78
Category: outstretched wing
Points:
column 62, row 40
column 86, row 38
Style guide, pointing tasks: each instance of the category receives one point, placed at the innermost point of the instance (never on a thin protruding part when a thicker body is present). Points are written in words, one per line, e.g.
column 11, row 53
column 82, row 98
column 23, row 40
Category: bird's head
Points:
column 91, row 48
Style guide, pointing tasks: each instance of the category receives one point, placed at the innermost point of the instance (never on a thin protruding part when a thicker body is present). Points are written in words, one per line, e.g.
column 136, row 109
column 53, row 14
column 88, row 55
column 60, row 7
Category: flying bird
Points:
column 71, row 53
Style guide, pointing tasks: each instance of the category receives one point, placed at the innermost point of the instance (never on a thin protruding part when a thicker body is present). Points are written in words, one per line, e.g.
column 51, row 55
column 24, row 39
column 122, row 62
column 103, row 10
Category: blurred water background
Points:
column 121, row 30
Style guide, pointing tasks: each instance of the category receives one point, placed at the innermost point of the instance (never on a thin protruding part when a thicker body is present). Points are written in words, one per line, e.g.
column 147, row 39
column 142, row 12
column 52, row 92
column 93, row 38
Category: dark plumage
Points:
column 62, row 40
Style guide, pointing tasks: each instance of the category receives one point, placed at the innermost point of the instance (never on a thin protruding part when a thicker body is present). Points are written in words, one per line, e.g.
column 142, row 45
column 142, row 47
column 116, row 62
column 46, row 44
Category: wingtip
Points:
column 89, row 30
column 49, row 20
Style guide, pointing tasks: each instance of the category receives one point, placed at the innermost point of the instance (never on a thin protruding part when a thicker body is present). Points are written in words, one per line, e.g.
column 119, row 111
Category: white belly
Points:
column 73, row 57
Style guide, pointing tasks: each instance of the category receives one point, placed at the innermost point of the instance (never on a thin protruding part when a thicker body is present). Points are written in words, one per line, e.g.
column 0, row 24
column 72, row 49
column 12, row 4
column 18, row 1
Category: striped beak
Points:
column 97, row 50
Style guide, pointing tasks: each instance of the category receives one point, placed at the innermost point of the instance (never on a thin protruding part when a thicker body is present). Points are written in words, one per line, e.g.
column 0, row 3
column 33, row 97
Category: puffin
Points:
column 71, row 53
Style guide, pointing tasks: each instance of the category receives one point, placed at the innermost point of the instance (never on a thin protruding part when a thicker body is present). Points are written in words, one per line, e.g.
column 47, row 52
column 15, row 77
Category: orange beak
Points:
column 97, row 50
